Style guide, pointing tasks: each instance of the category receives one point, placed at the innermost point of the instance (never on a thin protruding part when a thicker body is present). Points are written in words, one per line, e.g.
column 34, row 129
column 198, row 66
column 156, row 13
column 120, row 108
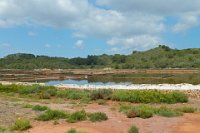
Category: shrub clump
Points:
column 52, row 115
column 98, row 116
column 144, row 112
column 77, row 116
column 186, row 109
column 166, row 112
column 140, row 111
column 105, row 94
column 21, row 125
column 133, row 129
column 39, row 108
column 149, row 96
column 72, row 130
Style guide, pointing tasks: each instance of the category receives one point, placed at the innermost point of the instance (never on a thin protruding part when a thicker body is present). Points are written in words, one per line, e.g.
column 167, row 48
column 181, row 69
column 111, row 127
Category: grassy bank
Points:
column 144, row 111
column 134, row 96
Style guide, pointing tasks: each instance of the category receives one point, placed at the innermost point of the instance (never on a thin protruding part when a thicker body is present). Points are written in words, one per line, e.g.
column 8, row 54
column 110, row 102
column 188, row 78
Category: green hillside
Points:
column 159, row 57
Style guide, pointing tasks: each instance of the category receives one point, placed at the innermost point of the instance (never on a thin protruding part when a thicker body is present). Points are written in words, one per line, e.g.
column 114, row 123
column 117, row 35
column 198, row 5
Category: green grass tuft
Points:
column 186, row 109
column 39, row 108
column 98, row 116
column 21, row 125
column 133, row 129
column 140, row 111
column 72, row 130
column 52, row 115
column 77, row 116
column 166, row 112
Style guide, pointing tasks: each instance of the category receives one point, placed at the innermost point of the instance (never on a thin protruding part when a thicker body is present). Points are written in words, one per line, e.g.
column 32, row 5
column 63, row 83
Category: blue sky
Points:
column 70, row 28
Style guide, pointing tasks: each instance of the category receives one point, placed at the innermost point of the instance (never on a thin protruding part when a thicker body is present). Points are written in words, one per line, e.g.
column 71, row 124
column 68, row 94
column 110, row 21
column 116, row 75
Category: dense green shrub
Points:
column 77, row 116
column 73, row 94
column 39, row 108
column 145, row 111
column 186, row 109
column 166, row 112
column 133, row 129
column 140, row 111
column 98, row 116
column 72, row 130
column 149, row 96
column 101, row 94
column 135, row 96
column 21, row 125
column 52, row 115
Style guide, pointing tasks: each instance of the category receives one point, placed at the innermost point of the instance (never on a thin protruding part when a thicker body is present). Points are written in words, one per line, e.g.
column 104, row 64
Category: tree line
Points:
column 156, row 58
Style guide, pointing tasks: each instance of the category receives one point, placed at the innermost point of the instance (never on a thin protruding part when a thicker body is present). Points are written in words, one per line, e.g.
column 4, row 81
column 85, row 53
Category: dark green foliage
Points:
column 149, row 96
column 72, row 130
column 98, row 116
column 186, row 109
column 135, row 96
column 77, row 116
column 21, row 125
column 101, row 94
column 52, row 115
column 39, row 108
column 133, row 129
column 160, row 57
column 166, row 112
column 140, row 111
column 73, row 94
column 144, row 111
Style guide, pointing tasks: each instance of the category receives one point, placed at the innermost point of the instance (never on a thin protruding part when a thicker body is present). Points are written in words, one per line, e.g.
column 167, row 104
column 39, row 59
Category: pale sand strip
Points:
column 183, row 87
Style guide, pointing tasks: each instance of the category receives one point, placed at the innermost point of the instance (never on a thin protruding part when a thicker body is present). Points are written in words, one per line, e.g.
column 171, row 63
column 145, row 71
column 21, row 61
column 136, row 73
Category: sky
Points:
column 72, row 28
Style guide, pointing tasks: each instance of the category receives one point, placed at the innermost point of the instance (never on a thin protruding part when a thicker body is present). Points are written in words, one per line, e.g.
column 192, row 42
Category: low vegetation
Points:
column 166, row 112
column 2, row 130
column 72, row 130
column 186, row 110
column 53, row 115
column 21, row 125
column 149, row 96
column 39, row 108
column 134, row 96
column 72, row 117
column 77, row 116
column 133, row 129
column 144, row 111
column 98, row 116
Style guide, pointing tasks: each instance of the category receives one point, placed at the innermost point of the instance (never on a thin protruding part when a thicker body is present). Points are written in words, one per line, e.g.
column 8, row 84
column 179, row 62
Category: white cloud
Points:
column 186, row 23
column 142, row 42
column 79, row 44
column 129, row 23
column 161, row 7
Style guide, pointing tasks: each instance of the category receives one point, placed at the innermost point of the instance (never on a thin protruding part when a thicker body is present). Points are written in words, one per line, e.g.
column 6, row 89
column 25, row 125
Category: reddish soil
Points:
column 190, row 124
column 118, row 123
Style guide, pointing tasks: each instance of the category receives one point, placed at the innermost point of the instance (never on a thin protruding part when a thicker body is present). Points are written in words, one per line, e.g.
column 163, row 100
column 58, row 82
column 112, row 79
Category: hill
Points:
column 157, row 58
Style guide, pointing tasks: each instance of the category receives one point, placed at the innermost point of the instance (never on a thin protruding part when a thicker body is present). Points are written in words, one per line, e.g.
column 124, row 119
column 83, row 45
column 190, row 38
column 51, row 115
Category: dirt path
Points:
column 190, row 124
